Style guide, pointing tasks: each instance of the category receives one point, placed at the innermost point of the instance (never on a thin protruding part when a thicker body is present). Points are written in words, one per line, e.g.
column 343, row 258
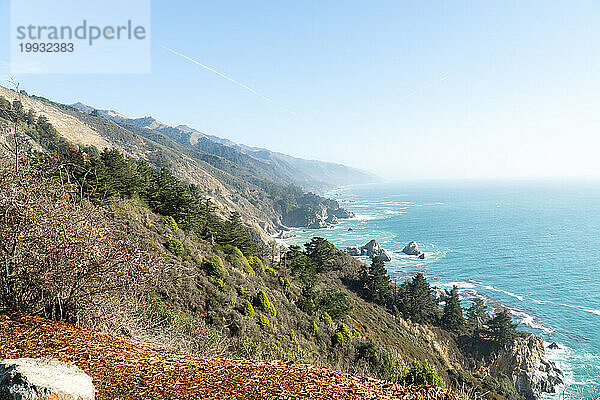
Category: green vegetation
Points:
column 214, row 266
column 452, row 318
column 501, row 327
column 263, row 320
column 420, row 373
column 415, row 301
column 265, row 304
column 248, row 309
column 477, row 316
column 376, row 281
column 170, row 222
column 175, row 246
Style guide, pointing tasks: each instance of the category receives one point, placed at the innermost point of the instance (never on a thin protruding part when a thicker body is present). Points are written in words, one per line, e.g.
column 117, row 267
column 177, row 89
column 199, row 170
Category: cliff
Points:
column 525, row 363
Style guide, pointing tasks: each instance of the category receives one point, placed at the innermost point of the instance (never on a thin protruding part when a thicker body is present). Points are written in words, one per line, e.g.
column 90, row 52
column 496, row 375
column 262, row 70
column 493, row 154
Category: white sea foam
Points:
column 529, row 320
column 460, row 285
column 393, row 212
column 363, row 217
column 516, row 296
column 582, row 308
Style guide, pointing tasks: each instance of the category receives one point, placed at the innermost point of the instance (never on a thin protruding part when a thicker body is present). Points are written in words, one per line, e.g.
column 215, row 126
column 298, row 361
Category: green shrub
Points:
column 335, row 302
column 285, row 283
column 237, row 259
column 327, row 319
column 218, row 282
column 240, row 290
column 265, row 304
column 171, row 224
column 293, row 337
column 343, row 329
column 175, row 246
column 263, row 320
column 256, row 264
column 248, row 310
column 355, row 332
column 337, row 339
column 314, row 328
column 270, row 271
column 420, row 373
column 214, row 266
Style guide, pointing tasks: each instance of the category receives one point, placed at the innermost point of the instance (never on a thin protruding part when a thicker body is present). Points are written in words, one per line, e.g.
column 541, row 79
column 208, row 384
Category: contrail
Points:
column 432, row 84
column 226, row 77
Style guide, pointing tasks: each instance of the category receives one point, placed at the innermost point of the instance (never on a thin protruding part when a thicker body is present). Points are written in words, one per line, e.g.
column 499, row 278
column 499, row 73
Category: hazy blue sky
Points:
column 442, row 89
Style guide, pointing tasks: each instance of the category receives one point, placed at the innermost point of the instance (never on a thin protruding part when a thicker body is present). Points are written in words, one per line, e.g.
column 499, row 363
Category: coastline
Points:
column 402, row 267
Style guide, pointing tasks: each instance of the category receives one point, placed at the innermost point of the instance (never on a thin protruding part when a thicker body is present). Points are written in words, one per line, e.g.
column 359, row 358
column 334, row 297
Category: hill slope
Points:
column 265, row 195
column 125, row 370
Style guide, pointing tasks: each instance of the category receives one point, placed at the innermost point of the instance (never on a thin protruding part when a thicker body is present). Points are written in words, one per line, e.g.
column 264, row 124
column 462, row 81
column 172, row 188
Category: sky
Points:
column 404, row 89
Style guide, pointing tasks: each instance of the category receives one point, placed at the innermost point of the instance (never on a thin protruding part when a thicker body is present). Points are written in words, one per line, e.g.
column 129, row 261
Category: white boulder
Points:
column 36, row 378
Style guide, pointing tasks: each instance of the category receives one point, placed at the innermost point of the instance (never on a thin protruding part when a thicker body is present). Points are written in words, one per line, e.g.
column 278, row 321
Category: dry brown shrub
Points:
column 59, row 254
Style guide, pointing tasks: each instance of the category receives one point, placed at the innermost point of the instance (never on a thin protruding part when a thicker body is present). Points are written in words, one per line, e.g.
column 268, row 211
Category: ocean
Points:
column 530, row 245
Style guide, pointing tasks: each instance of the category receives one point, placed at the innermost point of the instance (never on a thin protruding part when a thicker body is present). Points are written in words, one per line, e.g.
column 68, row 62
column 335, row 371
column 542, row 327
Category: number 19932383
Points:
column 46, row 47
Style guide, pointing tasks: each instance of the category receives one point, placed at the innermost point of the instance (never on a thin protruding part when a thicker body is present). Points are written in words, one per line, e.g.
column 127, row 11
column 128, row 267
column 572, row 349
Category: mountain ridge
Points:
column 311, row 174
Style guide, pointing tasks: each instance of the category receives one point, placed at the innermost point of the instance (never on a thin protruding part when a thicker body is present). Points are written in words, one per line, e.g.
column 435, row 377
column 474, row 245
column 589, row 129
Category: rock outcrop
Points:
column 385, row 255
column 321, row 216
column 526, row 365
column 317, row 223
column 39, row 378
column 342, row 213
column 332, row 219
column 412, row 249
column 371, row 249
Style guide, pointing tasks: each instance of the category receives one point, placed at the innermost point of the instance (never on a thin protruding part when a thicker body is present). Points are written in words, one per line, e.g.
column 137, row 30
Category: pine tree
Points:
column 477, row 316
column 417, row 303
column 377, row 281
column 453, row 319
column 501, row 327
column 321, row 252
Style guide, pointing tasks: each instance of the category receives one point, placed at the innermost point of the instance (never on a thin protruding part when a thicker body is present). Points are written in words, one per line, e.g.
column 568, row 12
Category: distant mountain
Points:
column 306, row 170
column 279, row 167
column 267, row 191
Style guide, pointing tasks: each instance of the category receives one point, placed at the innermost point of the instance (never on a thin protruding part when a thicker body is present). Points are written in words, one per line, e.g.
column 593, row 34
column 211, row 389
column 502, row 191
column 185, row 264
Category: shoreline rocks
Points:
column 412, row 249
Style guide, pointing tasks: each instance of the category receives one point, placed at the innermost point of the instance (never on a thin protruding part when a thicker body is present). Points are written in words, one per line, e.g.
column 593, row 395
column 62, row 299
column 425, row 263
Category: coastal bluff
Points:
column 525, row 363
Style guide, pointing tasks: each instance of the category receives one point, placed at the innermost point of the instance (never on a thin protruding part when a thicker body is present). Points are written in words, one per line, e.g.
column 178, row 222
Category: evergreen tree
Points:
column 477, row 316
column 453, row 319
column 501, row 328
column 416, row 302
column 321, row 252
column 376, row 281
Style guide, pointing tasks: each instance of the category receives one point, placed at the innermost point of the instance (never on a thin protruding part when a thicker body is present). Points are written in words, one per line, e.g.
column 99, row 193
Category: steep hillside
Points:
column 117, row 244
column 122, row 369
column 261, row 193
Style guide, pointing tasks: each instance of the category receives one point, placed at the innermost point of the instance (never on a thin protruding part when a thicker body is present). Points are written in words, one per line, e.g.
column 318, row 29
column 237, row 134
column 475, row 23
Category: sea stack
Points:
column 412, row 249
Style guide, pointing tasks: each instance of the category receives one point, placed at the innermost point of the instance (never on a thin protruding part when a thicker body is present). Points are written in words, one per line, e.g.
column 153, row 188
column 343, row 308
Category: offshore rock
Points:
column 39, row 378
column 525, row 363
column 371, row 249
column 412, row 249
column 385, row 255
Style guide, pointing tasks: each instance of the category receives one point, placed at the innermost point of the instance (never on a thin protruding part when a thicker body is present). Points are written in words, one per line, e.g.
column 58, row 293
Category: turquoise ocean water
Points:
column 533, row 246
